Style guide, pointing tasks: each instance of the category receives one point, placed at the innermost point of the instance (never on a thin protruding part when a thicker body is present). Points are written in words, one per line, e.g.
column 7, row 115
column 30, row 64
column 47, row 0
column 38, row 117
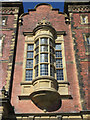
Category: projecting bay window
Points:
column 29, row 62
column 44, row 57
column 59, row 62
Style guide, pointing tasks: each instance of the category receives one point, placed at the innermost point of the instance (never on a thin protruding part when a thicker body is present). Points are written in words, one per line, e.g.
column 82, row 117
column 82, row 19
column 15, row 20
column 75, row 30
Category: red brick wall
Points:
column 58, row 22
column 6, row 48
column 80, row 54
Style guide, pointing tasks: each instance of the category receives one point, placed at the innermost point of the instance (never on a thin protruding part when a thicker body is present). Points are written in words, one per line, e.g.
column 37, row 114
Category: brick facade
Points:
column 76, row 58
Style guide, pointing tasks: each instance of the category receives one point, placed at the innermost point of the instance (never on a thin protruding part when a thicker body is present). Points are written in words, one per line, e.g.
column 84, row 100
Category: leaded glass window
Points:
column 37, row 50
column 51, row 71
column 29, row 64
column 37, row 43
column 29, row 54
column 58, row 54
column 43, row 40
column 59, row 63
column 43, row 69
column 43, row 48
column 29, row 74
column 60, row 74
column 36, row 59
column 36, row 71
column 30, row 47
column 43, row 57
column 58, row 47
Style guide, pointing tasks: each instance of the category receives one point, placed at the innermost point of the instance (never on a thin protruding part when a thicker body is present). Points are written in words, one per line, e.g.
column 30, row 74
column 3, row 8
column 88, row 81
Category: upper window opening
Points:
column 3, row 21
column 88, row 39
column 84, row 19
column 44, row 41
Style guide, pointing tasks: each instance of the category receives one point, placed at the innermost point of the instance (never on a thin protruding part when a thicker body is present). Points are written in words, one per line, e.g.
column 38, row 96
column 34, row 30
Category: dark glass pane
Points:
column 29, row 54
column 37, row 43
column 59, row 63
column 36, row 71
column 58, row 47
column 36, row 59
column 29, row 64
column 43, row 57
column 60, row 74
column 43, row 48
column 51, row 71
column 30, row 47
column 43, row 69
column 44, row 41
column 58, row 54
column 29, row 74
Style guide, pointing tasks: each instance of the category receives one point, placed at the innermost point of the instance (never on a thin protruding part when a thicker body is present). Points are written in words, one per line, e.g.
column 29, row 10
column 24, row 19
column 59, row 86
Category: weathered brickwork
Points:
column 57, row 20
column 82, row 60
column 19, row 30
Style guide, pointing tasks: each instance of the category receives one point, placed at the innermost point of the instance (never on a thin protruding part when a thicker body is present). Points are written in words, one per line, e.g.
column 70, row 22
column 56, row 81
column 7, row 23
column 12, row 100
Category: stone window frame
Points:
column 1, row 20
column 86, row 19
column 2, row 43
column 85, row 42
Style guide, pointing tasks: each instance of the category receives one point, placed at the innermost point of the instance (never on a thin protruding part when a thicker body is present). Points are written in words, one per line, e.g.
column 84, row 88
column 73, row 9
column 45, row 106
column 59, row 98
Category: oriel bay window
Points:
column 44, row 58
column 29, row 63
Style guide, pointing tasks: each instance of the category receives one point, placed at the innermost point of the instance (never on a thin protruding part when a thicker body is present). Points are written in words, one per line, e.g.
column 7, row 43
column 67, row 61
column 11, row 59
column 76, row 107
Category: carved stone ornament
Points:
column 43, row 22
column 79, row 8
column 8, row 10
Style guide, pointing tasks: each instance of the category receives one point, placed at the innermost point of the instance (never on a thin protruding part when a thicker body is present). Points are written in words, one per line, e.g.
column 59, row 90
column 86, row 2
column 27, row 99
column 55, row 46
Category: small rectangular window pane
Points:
column 29, row 64
column 59, row 63
column 58, row 54
column 43, row 48
column 51, row 71
column 29, row 75
column 29, row 54
column 30, row 47
column 37, row 50
column 60, row 74
column 88, row 40
column 43, row 69
column 43, row 57
column 37, row 43
column 36, row 59
column 3, row 21
column 36, row 71
column 51, row 50
column 58, row 47
column 51, row 59
column 50, row 42
column 84, row 19
column 44, row 41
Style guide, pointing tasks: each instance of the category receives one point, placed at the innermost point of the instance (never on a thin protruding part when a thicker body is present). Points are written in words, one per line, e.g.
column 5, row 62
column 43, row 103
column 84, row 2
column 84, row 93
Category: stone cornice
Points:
column 79, row 8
